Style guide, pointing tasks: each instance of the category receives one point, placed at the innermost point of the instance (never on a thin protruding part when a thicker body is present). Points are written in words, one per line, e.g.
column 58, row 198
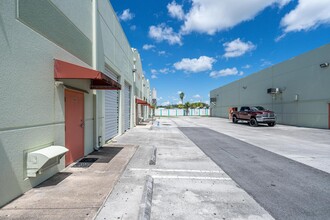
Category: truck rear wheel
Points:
column 253, row 122
column 235, row 119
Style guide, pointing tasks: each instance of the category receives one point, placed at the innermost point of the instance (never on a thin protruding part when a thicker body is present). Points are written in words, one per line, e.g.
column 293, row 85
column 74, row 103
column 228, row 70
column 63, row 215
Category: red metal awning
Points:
column 65, row 70
column 141, row 102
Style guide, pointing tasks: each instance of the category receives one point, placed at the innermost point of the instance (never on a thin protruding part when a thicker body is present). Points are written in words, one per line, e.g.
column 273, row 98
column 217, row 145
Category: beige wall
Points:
column 300, row 76
column 32, row 108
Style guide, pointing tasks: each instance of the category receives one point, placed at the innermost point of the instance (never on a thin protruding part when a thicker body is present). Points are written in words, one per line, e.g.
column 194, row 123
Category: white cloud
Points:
column 160, row 53
column 226, row 72
column 133, row 27
column 148, row 46
column 211, row 16
column 265, row 63
column 166, row 103
column 237, row 48
column 175, row 10
column 203, row 63
column 307, row 15
column 282, row 3
column 247, row 66
column 126, row 15
column 277, row 39
column 162, row 32
column 197, row 96
column 154, row 74
column 164, row 71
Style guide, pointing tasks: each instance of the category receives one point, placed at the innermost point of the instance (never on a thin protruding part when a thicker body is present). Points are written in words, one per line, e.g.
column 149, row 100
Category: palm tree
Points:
column 181, row 97
column 187, row 106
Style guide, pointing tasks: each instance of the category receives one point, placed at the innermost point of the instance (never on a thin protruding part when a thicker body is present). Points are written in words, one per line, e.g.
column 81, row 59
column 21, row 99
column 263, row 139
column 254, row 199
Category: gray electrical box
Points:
column 40, row 160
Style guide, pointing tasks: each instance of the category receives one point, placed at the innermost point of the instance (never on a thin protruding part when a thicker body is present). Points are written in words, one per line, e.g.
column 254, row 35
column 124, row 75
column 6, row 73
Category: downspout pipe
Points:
column 97, row 143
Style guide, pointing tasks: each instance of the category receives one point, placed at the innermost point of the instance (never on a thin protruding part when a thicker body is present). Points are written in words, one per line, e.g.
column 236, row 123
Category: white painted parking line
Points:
column 177, row 170
column 190, row 177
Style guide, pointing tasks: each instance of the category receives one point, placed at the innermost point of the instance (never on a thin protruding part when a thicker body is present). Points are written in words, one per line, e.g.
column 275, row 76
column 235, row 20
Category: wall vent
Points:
column 274, row 90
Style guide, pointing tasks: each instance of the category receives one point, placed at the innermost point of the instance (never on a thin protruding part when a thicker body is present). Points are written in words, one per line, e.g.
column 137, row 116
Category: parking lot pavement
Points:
column 309, row 146
column 187, row 184
column 284, row 187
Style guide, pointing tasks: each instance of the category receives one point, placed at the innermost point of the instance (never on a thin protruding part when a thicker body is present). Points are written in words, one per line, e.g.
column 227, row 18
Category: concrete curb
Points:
column 146, row 201
column 153, row 156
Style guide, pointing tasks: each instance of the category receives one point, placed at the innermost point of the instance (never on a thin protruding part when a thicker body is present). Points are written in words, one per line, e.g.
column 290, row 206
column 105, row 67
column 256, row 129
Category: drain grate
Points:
column 85, row 162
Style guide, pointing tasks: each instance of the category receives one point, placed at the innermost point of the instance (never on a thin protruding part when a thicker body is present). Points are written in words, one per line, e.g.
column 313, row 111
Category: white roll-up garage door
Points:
column 111, row 108
column 127, row 106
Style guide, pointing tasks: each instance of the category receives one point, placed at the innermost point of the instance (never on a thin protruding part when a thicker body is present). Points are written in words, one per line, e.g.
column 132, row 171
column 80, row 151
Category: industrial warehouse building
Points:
column 69, row 82
column 297, row 90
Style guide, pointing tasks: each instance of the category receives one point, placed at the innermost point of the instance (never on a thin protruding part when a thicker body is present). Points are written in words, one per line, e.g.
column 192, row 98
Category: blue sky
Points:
column 195, row 46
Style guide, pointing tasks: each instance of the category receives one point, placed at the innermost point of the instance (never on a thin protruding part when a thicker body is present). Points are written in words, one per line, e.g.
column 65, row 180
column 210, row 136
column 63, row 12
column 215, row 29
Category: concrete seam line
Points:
column 146, row 201
column 153, row 156
column 115, row 183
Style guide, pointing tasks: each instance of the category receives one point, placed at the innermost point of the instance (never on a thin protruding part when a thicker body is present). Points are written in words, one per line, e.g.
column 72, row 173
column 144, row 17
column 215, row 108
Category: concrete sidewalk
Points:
column 76, row 192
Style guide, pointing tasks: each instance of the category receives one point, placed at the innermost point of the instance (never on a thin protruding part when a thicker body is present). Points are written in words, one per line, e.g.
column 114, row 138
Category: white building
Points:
column 297, row 90
column 68, row 77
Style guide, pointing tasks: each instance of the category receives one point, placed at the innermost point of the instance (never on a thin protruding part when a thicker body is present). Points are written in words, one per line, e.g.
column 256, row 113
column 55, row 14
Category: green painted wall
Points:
column 45, row 18
column 300, row 76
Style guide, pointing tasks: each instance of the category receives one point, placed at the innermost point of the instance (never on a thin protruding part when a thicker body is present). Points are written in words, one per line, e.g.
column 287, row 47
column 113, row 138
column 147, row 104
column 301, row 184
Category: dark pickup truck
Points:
column 254, row 115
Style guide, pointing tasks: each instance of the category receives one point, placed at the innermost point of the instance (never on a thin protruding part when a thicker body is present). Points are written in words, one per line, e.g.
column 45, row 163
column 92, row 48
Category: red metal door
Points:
column 74, row 125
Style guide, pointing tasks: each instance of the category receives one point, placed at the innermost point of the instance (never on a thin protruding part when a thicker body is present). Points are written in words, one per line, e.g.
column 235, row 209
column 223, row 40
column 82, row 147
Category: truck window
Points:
column 259, row 108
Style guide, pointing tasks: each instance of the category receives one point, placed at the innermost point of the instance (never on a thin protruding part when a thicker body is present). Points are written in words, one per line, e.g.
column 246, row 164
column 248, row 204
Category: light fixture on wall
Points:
column 324, row 65
column 58, row 83
column 244, row 87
